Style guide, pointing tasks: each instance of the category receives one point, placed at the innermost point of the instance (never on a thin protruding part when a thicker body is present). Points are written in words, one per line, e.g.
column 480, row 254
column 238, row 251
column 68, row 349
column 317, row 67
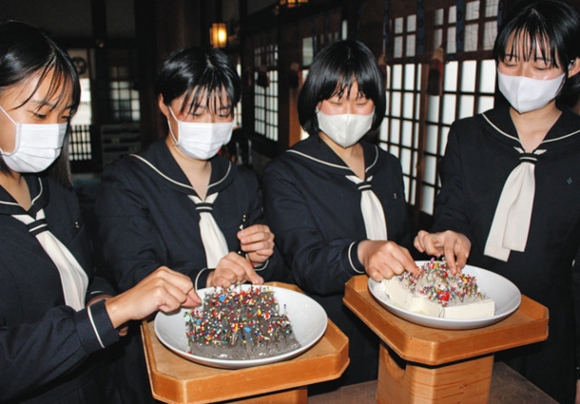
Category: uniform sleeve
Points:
column 450, row 213
column 317, row 266
column 35, row 354
column 128, row 238
column 99, row 286
column 274, row 269
column 576, row 288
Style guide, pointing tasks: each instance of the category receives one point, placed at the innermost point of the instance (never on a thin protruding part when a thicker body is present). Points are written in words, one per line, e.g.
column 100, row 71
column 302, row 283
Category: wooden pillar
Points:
column 100, row 77
column 161, row 27
column 286, row 51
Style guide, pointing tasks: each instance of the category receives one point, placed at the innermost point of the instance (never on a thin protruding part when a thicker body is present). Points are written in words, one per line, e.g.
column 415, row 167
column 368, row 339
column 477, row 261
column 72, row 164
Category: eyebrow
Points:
column 52, row 105
column 210, row 109
column 511, row 56
column 535, row 58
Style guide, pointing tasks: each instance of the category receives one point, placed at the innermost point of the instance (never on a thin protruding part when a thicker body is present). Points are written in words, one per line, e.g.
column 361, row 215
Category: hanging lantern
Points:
column 291, row 3
column 218, row 35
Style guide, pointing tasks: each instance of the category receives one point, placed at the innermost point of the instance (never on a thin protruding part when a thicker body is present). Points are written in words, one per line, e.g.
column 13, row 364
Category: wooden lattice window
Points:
column 417, row 124
column 266, row 87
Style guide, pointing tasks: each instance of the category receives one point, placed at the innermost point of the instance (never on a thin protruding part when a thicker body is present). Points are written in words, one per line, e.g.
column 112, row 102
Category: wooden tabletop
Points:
column 431, row 346
column 177, row 380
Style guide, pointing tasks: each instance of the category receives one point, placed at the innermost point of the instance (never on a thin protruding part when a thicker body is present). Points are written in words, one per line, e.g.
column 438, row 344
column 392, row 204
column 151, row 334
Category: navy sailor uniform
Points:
column 148, row 218
column 315, row 212
column 481, row 153
column 45, row 345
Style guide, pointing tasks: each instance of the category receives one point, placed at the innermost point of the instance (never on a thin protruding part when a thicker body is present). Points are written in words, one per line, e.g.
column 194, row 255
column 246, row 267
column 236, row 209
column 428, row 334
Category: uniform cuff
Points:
column 262, row 266
column 355, row 264
column 200, row 281
column 95, row 328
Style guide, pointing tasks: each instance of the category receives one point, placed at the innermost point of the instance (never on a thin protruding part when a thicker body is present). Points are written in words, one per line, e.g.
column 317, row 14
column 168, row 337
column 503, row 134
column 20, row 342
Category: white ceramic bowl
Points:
column 506, row 295
column 308, row 320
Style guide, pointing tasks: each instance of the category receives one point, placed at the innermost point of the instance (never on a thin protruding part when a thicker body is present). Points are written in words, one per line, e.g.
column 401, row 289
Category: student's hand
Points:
column 454, row 246
column 385, row 259
column 164, row 290
column 231, row 269
column 124, row 330
column 258, row 242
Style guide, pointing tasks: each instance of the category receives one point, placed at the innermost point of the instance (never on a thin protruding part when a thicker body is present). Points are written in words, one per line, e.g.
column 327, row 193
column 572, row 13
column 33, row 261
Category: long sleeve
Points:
column 315, row 213
column 482, row 152
column 130, row 241
column 44, row 344
column 318, row 265
column 450, row 208
column 34, row 354
column 147, row 217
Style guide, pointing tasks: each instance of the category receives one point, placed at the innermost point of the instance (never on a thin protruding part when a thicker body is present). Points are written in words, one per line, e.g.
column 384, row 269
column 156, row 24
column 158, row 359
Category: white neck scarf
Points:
column 214, row 242
column 372, row 210
column 511, row 221
column 72, row 276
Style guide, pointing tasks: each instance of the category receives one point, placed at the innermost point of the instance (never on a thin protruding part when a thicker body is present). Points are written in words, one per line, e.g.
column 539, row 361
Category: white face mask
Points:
column 199, row 140
column 36, row 146
column 345, row 129
column 525, row 94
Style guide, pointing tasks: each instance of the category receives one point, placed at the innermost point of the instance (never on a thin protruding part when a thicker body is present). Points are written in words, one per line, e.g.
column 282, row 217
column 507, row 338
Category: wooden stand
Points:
column 443, row 366
column 177, row 380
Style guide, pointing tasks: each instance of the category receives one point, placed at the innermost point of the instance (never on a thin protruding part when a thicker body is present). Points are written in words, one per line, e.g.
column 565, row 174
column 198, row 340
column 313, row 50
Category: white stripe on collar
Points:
column 39, row 193
column 375, row 161
column 9, row 203
column 332, row 164
column 180, row 183
column 33, row 199
column 518, row 140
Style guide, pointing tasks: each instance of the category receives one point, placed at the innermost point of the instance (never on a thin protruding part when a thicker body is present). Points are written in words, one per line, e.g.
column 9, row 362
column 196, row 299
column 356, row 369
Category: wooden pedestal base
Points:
column 461, row 382
column 296, row 396
column 443, row 366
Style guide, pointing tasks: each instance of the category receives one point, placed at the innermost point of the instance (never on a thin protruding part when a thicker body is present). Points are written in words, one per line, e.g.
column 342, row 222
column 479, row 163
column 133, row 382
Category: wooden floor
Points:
column 363, row 393
column 507, row 387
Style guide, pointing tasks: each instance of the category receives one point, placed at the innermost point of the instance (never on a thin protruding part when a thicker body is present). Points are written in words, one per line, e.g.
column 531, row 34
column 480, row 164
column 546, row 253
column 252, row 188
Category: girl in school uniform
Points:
column 336, row 202
column 178, row 203
column 509, row 197
column 56, row 314
column 181, row 205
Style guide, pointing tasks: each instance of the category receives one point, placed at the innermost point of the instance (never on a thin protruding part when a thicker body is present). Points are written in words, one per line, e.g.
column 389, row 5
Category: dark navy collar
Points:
column 565, row 130
column 161, row 166
column 314, row 150
column 38, row 188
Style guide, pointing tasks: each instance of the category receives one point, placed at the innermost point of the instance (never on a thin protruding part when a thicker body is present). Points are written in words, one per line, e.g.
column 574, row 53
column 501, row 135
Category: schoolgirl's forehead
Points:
column 526, row 45
column 50, row 89
column 214, row 100
column 344, row 87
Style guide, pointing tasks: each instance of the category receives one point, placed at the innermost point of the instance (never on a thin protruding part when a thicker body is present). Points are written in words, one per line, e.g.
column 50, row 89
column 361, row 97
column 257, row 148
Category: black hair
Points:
column 553, row 27
column 333, row 71
column 199, row 74
column 26, row 51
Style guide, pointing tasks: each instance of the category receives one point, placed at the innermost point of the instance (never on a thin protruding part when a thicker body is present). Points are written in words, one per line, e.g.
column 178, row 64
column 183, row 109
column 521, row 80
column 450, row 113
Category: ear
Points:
column 163, row 107
column 574, row 67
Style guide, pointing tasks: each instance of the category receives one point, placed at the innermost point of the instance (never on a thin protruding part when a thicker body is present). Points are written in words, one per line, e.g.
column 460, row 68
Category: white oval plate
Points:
column 308, row 320
column 506, row 295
